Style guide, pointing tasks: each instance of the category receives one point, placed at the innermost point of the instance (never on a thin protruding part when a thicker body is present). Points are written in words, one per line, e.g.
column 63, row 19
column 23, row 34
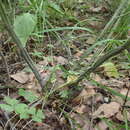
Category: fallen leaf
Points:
column 96, row 77
column 84, row 95
column 44, row 62
column 45, row 74
column 21, row 77
column 95, row 24
column 107, row 110
column 88, row 85
column 102, row 125
column 78, row 54
column 124, row 92
column 81, row 120
column 60, row 60
column 121, row 117
column 63, row 121
column 33, row 87
column 80, row 109
column 113, row 83
column 87, row 126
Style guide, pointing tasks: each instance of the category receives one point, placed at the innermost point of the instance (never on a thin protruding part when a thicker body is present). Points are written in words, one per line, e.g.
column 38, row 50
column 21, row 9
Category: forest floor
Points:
column 96, row 103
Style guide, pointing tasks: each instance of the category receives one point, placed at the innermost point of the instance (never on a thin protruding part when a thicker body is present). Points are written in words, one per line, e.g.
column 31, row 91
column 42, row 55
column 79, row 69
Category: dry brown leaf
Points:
column 44, row 62
column 96, row 24
column 107, row 110
column 127, row 83
column 116, row 83
column 77, row 118
column 98, row 98
column 31, row 77
column 78, row 54
column 81, row 109
column 124, row 92
column 81, row 120
column 102, row 125
column 60, row 60
column 96, row 77
column 120, row 116
column 88, row 85
column 33, row 87
column 84, row 95
column 63, row 121
column 21, row 77
column 112, row 83
column 45, row 74
column 87, row 126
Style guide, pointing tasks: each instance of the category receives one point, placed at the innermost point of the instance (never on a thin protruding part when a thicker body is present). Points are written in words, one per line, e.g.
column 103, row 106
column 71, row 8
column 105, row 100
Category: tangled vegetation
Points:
column 64, row 64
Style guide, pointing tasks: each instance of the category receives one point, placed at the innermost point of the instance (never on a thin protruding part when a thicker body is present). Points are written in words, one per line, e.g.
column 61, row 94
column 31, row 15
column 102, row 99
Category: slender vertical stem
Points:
column 23, row 50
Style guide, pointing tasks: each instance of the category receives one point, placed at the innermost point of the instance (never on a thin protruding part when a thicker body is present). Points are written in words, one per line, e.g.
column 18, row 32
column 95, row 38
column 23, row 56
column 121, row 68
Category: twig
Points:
column 9, row 121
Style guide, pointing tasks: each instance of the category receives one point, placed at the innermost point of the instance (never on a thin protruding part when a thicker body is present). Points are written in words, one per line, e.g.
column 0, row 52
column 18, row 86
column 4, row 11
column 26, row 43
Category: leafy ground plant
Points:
column 24, row 111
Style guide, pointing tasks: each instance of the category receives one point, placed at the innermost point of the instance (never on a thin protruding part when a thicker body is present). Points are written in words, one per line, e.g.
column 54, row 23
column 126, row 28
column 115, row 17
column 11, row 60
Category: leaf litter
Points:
column 84, row 109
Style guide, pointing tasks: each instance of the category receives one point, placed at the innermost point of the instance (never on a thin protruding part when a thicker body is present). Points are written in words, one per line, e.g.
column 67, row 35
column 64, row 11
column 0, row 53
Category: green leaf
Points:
column 64, row 94
column 24, row 116
column 100, row 43
column 32, row 111
column 37, row 54
column 10, row 101
column 24, row 26
column 34, row 118
column 67, row 28
column 110, row 70
column 29, row 96
column 38, row 116
column 21, row 108
column 6, row 107
column 54, row 6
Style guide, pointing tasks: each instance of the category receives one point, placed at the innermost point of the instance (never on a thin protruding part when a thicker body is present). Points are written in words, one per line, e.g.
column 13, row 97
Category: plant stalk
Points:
column 23, row 50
